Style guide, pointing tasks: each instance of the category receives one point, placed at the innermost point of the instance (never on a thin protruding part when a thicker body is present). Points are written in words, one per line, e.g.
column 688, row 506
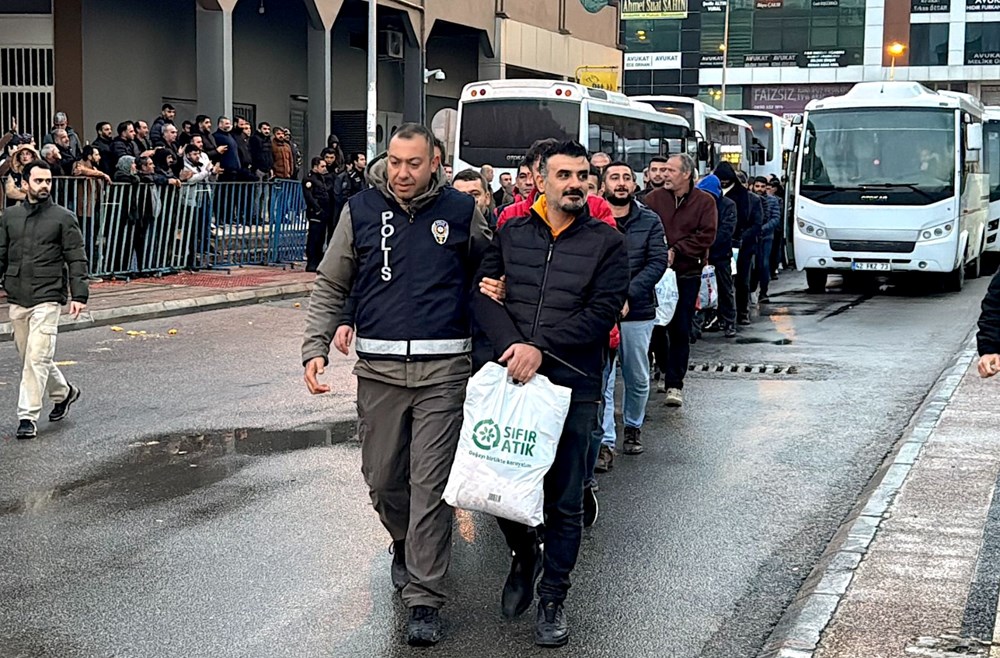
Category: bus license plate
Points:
column 871, row 267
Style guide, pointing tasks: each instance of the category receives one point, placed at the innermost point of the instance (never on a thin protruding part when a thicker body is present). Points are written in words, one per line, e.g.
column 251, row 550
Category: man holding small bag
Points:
column 567, row 280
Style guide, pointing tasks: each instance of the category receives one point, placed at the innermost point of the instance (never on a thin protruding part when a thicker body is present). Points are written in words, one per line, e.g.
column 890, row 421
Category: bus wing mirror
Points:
column 788, row 140
column 703, row 151
column 974, row 137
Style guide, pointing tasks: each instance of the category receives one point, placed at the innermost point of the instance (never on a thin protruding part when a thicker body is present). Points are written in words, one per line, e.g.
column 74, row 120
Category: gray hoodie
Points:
column 335, row 280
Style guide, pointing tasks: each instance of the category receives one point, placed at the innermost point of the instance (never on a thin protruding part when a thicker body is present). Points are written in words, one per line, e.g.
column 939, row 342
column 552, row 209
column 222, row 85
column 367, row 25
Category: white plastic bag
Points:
column 508, row 443
column 667, row 295
column 736, row 256
column 708, row 297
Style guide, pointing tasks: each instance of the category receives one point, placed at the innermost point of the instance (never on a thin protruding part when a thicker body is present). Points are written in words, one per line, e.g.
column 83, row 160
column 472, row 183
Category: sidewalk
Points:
column 116, row 302
column 916, row 572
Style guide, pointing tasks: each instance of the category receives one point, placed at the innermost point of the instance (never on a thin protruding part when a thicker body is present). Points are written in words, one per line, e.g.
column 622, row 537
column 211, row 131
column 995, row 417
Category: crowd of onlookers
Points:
column 160, row 152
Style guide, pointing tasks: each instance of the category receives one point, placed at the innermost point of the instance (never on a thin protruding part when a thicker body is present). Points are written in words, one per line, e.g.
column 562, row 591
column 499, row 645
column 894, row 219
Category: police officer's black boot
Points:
column 519, row 590
column 400, row 576
column 551, row 627
column 424, row 627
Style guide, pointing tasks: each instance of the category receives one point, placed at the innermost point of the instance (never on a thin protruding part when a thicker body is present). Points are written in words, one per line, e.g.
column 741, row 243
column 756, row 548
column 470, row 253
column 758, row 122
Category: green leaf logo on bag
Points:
column 487, row 435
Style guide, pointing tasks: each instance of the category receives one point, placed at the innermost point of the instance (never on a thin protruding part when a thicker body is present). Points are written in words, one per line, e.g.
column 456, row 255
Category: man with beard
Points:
column 474, row 184
column 772, row 218
column 105, row 144
column 167, row 114
column 261, row 155
column 41, row 257
column 690, row 222
column 657, row 172
column 582, row 266
column 647, row 258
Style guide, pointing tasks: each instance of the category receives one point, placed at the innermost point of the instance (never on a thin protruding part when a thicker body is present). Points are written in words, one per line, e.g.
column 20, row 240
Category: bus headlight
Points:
column 810, row 229
column 937, row 232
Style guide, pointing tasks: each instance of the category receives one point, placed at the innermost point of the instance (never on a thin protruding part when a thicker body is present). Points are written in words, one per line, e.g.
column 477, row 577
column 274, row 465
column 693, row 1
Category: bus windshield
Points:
column 499, row 132
column 763, row 131
column 677, row 108
column 888, row 147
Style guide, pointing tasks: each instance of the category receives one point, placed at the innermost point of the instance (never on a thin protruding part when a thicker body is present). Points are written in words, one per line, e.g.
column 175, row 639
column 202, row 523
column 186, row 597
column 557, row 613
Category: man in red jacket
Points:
column 690, row 221
column 597, row 205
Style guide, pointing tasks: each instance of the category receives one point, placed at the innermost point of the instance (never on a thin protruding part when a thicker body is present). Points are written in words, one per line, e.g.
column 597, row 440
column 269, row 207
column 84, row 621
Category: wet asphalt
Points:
column 199, row 503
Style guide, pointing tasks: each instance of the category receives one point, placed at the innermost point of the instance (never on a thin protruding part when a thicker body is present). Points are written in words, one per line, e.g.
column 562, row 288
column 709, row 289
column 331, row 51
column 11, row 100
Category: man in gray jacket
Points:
column 404, row 252
column 41, row 250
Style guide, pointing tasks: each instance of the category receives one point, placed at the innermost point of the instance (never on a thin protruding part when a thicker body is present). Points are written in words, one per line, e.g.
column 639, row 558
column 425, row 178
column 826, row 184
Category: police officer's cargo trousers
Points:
column 408, row 441
column 35, row 331
column 315, row 237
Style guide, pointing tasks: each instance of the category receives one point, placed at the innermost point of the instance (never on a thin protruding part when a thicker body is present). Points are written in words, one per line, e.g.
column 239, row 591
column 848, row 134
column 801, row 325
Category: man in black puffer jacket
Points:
column 566, row 284
column 647, row 259
column 988, row 338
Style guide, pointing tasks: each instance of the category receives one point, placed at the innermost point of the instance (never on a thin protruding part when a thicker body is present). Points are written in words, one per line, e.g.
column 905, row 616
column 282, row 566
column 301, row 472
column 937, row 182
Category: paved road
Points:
column 247, row 543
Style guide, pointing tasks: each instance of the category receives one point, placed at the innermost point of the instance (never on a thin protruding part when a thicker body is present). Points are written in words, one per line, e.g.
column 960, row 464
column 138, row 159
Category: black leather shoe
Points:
column 633, row 441
column 400, row 576
column 424, row 628
column 590, row 507
column 551, row 629
column 519, row 590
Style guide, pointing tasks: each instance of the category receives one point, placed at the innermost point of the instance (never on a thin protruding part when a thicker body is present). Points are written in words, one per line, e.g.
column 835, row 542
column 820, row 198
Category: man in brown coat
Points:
column 689, row 221
column 284, row 161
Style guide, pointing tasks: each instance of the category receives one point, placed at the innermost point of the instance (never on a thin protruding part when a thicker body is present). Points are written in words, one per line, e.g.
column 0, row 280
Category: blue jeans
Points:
column 601, row 432
column 634, row 355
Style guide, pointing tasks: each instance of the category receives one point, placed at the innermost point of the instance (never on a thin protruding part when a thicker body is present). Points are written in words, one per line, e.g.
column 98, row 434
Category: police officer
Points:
column 317, row 196
column 404, row 252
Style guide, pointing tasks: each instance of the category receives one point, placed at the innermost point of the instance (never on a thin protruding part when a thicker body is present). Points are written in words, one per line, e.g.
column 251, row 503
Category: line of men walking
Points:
column 417, row 280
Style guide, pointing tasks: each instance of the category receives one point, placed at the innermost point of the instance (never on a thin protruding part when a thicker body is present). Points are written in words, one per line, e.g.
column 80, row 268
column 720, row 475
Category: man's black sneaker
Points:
column 400, row 575
column 61, row 410
column 26, row 429
column 590, row 507
column 424, row 628
column 730, row 331
column 744, row 320
column 519, row 589
column 551, row 629
column 632, row 444
column 764, row 299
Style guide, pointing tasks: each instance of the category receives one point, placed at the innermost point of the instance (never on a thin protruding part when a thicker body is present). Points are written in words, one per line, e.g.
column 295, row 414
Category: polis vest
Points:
column 414, row 276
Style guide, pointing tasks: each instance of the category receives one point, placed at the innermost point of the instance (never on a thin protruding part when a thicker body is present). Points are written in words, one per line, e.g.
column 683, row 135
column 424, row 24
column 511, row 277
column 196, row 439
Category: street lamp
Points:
column 895, row 49
column 724, row 47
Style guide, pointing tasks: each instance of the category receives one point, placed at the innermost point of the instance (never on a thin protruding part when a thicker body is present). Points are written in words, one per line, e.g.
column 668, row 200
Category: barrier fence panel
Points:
column 142, row 228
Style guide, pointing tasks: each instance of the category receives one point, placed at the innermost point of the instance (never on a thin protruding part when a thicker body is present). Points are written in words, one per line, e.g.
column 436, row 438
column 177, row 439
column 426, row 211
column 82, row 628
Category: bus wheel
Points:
column 955, row 281
column 816, row 281
column 974, row 269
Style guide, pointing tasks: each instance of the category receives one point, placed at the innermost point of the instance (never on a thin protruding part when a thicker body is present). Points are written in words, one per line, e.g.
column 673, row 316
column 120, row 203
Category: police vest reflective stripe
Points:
column 414, row 347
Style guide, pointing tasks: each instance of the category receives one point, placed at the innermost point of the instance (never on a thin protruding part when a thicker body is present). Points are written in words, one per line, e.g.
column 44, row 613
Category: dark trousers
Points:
column 744, row 266
column 672, row 344
column 563, row 527
column 778, row 249
column 761, row 275
column 727, row 293
column 315, row 238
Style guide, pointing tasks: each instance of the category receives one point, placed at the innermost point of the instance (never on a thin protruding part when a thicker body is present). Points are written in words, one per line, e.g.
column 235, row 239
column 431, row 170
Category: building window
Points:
column 982, row 43
column 653, row 36
column 929, row 44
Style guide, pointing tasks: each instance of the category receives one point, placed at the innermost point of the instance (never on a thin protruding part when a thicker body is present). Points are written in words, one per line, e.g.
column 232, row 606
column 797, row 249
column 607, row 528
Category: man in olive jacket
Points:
column 41, row 252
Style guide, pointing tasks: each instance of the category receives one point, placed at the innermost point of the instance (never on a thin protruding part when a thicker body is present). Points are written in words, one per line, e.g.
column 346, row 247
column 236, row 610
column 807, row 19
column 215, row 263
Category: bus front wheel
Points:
column 816, row 281
column 955, row 281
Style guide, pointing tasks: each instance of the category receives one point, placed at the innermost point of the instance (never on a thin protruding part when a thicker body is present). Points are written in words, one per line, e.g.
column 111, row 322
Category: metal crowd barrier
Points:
column 141, row 228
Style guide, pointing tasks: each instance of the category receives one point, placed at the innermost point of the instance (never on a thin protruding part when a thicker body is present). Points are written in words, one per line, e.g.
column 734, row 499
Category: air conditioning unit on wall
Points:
column 391, row 44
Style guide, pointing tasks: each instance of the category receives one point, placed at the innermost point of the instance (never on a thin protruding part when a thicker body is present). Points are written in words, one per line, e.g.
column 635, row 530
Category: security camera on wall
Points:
column 440, row 76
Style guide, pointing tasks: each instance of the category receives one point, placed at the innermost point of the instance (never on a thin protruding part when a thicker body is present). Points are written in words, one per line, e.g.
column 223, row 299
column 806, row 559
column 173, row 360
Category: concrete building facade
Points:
column 299, row 63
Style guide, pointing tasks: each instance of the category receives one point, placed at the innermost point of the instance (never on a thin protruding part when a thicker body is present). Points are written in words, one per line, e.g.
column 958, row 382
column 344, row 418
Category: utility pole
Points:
column 372, row 114
column 725, row 55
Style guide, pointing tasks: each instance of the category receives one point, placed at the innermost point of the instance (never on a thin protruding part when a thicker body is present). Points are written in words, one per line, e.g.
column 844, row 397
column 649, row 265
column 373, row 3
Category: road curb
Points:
column 798, row 632
column 173, row 307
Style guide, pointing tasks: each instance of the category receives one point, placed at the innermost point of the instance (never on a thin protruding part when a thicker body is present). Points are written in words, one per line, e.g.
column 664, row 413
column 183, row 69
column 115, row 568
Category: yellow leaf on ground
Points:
column 132, row 333
column 172, row 332
column 297, row 305
column 117, row 329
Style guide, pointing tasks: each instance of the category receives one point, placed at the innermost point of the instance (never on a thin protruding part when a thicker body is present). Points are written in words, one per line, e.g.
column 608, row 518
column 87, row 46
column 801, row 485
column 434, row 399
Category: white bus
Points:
column 769, row 132
column 498, row 120
column 991, row 161
column 720, row 136
column 889, row 178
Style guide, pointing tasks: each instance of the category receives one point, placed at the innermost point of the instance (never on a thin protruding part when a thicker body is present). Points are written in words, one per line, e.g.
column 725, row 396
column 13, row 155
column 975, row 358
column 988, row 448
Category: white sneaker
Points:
column 674, row 398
